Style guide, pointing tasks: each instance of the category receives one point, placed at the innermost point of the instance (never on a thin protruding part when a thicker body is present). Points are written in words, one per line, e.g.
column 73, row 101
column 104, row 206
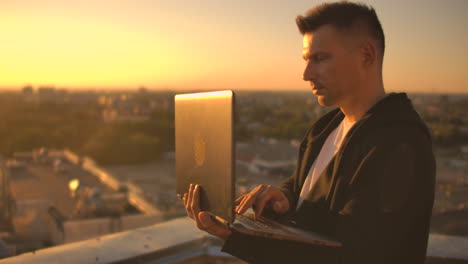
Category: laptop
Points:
column 205, row 155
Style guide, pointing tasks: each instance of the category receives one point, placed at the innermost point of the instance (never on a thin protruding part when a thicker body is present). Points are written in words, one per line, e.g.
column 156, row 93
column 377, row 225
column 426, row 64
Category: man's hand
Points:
column 203, row 219
column 261, row 197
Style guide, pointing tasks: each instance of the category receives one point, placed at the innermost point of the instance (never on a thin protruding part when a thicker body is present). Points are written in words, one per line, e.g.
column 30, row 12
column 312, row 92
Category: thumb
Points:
column 205, row 219
column 212, row 226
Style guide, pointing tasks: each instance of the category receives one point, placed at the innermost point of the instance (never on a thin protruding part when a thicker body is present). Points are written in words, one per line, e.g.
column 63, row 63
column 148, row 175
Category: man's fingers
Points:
column 196, row 200
column 202, row 219
column 273, row 198
column 195, row 204
column 184, row 198
column 190, row 202
column 239, row 199
column 242, row 204
column 250, row 199
column 245, row 204
column 261, row 202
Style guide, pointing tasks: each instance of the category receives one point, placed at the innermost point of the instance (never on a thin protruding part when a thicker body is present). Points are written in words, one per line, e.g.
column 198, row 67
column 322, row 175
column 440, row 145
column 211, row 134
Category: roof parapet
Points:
column 177, row 240
column 168, row 242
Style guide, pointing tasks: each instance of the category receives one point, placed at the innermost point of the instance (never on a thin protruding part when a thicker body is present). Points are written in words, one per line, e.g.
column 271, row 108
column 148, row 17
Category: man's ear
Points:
column 368, row 54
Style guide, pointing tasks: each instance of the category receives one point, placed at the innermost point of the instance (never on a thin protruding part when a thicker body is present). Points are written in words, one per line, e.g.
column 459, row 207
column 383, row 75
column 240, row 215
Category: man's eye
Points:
column 320, row 57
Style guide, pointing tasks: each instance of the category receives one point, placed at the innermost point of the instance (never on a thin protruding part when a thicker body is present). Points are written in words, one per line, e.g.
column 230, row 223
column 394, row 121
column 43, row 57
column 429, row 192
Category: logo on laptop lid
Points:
column 199, row 149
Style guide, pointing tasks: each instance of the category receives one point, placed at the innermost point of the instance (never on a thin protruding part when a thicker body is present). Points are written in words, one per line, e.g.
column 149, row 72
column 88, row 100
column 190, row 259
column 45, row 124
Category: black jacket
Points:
column 376, row 194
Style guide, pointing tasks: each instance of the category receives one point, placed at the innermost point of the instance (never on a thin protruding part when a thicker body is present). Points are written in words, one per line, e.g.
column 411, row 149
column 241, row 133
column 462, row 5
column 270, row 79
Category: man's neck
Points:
column 356, row 108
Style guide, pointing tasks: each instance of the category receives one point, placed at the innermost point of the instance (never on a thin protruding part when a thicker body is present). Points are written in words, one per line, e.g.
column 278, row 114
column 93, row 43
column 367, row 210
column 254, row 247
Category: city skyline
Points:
column 213, row 45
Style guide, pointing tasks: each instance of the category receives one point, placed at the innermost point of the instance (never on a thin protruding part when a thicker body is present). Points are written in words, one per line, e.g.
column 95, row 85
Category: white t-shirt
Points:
column 329, row 149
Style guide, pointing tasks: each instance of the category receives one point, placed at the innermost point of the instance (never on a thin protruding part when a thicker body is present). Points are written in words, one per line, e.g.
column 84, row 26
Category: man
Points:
column 365, row 171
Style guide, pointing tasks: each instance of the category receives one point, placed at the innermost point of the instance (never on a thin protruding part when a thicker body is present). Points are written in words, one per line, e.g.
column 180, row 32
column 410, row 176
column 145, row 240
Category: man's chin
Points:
column 322, row 100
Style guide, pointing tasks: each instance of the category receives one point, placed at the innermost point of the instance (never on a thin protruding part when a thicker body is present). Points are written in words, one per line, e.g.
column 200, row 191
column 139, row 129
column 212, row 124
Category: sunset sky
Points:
column 208, row 44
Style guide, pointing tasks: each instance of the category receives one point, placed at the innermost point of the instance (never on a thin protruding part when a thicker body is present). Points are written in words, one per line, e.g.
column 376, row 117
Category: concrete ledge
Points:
column 176, row 239
column 179, row 239
column 448, row 247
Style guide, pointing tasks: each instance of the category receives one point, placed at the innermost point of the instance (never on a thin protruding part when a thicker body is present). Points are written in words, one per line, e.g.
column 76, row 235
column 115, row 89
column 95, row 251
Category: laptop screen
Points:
column 204, row 143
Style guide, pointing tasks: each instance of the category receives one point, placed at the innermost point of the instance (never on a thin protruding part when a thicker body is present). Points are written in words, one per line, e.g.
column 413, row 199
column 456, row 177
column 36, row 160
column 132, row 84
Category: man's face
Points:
column 332, row 66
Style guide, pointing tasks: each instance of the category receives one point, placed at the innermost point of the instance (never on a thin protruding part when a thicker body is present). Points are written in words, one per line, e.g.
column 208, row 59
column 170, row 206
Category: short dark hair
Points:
column 343, row 16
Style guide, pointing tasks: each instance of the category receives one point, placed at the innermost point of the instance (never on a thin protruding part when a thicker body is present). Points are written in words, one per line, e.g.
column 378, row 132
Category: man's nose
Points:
column 309, row 73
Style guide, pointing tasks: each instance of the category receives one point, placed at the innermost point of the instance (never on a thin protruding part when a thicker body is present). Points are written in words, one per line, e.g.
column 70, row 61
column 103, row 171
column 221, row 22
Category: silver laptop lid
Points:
column 204, row 144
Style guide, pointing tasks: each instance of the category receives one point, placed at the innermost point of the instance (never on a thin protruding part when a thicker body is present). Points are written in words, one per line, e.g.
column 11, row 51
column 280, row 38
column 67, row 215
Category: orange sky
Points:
column 213, row 44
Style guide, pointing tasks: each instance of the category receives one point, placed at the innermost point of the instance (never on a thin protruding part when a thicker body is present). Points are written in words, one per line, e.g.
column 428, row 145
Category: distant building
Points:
column 6, row 200
column 58, row 213
column 267, row 157
column 464, row 151
column 46, row 94
column 27, row 90
column 114, row 114
column 273, row 168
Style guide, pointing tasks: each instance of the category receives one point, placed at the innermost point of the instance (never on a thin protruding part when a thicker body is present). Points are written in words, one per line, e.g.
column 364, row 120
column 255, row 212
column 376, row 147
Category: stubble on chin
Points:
column 320, row 100
column 324, row 100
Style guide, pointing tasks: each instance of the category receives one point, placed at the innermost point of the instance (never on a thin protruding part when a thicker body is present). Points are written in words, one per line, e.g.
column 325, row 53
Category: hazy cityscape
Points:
column 74, row 157
column 87, row 151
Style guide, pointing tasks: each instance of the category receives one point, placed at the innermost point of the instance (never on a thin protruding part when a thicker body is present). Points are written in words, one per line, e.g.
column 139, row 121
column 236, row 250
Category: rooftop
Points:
column 179, row 241
column 40, row 182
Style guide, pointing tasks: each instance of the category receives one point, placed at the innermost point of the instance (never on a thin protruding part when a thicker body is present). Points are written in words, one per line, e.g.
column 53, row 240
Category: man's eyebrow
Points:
column 308, row 55
column 313, row 55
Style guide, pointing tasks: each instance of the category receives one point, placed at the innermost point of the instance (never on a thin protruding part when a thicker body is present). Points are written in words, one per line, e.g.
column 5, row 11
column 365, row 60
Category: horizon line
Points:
column 176, row 89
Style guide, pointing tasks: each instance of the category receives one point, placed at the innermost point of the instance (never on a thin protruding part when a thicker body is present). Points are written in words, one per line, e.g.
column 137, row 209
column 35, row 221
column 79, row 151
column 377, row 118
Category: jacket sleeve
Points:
column 287, row 187
column 384, row 218
column 254, row 249
column 386, row 214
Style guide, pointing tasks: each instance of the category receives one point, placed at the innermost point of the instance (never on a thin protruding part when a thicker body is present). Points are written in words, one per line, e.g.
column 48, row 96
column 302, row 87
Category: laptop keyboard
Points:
column 258, row 223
